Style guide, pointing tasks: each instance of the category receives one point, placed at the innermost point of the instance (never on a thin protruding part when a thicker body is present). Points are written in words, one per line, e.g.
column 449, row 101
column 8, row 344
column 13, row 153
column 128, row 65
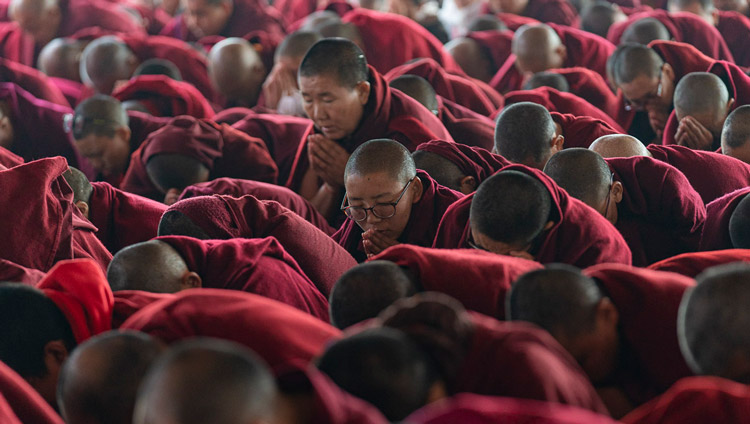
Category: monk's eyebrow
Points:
column 375, row 197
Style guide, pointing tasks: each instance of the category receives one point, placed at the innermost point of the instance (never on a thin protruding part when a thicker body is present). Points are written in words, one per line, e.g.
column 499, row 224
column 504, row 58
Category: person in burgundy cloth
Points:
column 160, row 95
column 555, row 11
column 457, row 166
column 550, row 219
column 10, row 271
column 349, row 103
column 388, row 201
column 42, row 325
column 619, row 322
column 23, row 402
column 174, row 263
column 223, row 217
column 188, row 151
column 726, row 221
column 693, row 263
column 736, row 133
column 33, row 81
column 481, row 53
column 237, row 72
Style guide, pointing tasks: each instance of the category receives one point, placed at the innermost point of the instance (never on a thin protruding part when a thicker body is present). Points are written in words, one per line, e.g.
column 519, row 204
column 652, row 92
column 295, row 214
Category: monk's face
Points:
column 107, row 155
column 335, row 109
column 741, row 152
column 654, row 95
column 596, row 350
column 204, row 19
column 367, row 191
column 713, row 121
column 484, row 242
column 42, row 25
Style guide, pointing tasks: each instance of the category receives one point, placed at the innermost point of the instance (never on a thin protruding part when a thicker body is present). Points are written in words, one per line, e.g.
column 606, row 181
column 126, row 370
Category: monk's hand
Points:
column 375, row 242
column 280, row 82
column 658, row 121
column 171, row 197
column 690, row 133
column 327, row 158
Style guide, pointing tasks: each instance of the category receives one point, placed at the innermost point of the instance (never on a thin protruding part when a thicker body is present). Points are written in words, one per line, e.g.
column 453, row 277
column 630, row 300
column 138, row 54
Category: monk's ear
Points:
column 668, row 71
column 562, row 51
column 172, row 195
column 124, row 133
column 617, row 190
column 55, row 353
column 557, row 143
column 417, row 188
column 468, row 184
column 730, row 103
column 606, row 313
column 83, row 207
column 191, row 280
column 363, row 92
column 548, row 225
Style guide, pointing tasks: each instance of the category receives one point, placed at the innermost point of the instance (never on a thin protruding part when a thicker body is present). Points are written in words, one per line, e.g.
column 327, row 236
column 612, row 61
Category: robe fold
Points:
column 593, row 88
column 581, row 131
column 734, row 27
column 163, row 96
column 15, row 273
column 466, row 126
column 24, row 401
column 693, row 263
column 718, row 213
column 472, row 161
column 33, row 81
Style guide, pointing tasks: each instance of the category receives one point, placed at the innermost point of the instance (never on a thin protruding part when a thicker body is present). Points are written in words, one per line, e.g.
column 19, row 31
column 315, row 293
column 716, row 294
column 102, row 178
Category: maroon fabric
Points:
column 122, row 218
column 391, row 40
column 581, row 131
column 559, row 12
column 693, row 263
column 735, row 29
column 471, row 93
column 25, row 402
column 593, row 88
column 224, row 217
column 163, row 96
column 684, row 28
column 10, row 271
column 716, row 230
column 277, row 332
column 497, row 45
column 81, row 14
column 684, row 58
column 128, row 302
column 423, row 221
column 472, row 161
column 466, row 126
column 727, row 173
column 587, row 237
column 478, row 279
column 647, row 302
column 31, row 80
column 72, row 90
column 388, row 114
column 260, row 266
column 142, row 125
column 468, row 408
column 9, row 159
column 226, row 152
column 556, row 101
column 512, row 21
column 660, row 214
column 15, row 44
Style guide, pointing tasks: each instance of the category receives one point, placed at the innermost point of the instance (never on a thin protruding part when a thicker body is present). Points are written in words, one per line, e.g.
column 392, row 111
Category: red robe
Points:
column 279, row 333
column 647, row 302
column 475, row 409
column 684, row 28
column 593, row 88
column 122, row 218
column 696, row 400
column 559, row 12
column 224, row 217
column 693, row 263
column 129, row 302
column 31, row 80
column 466, row 126
column 163, row 96
column 423, row 220
column 718, row 213
column 15, row 44
column 734, row 27
column 472, row 161
column 260, row 266
column 81, row 14
column 73, row 91
column 25, row 402
column 13, row 272
column 478, row 279
column 727, row 173
column 466, row 91
column 581, row 131
column 579, row 236
column 9, row 159
column 684, row 58
column 497, row 45
column 388, row 114
column 225, row 151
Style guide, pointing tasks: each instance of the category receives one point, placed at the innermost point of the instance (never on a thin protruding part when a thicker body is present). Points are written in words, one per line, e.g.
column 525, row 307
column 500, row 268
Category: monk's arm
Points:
column 324, row 197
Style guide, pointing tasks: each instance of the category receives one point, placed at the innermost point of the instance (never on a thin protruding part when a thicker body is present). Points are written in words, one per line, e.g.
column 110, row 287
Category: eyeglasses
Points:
column 78, row 125
column 380, row 210
column 641, row 103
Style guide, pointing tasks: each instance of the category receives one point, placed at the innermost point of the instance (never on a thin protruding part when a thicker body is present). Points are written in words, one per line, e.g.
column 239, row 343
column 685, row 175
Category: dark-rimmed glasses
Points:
column 641, row 103
column 380, row 210
column 77, row 124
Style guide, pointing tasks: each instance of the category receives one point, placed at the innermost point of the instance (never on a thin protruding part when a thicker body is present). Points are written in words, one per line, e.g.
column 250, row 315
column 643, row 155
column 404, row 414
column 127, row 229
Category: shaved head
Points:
column 524, row 133
column 38, row 18
column 366, row 290
column 319, row 18
column 619, row 146
column 174, row 171
column 99, row 381
column 207, row 380
column 61, row 58
column 713, row 321
column 236, row 70
column 736, row 134
column 486, row 23
column 176, row 223
column 703, row 96
column 152, row 266
column 80, row 184
column 634, row 60
column 158, row 67
column 381, row 156
column 547, row 79
column 442, row 170
column 597, row 17
column 473, row 58
column 582, row 173
column 538, row 48
column 336, row 57
column 100, row 115
column 643, row 31
column 739, row 225
column 105, row 61
column 418, row 89
column 296, row 44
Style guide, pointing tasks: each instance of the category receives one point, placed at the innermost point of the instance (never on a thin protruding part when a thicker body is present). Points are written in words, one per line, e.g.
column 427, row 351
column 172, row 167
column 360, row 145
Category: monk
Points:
column 740, row 6
column 61, row 57
column 237, row 72
column 388, row 201
column 223, row 217
column 656, row 222
column 550, row 217
column 710, row 320
column 173, row 263
column 99, row 381
column 727, row 222
column 736, row 133
column 160, row 95
column 33, row 81
column 693, row 263
column 626, row 315
column 188, row 151
column 42, row 326
column 22, row 402
column 561, row 13
column 349, row 103
column 598, row 16
column 481, row 54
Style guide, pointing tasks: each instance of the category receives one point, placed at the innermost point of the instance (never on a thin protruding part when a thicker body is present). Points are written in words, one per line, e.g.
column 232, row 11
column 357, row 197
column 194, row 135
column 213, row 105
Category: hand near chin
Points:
column 690, row 133
column 375, row 242
column 327, row 158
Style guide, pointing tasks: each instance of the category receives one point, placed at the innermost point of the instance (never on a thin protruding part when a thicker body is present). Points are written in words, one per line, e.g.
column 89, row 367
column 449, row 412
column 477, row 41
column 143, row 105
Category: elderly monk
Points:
column 280, row 90
column 349, row 103
column 711, row 321
column 173, row 263
column 237, row 72
column 42, row 325
column 99, row 381
column 388, row 199
column 656, row 222
column 736, row 133
column 612, row 319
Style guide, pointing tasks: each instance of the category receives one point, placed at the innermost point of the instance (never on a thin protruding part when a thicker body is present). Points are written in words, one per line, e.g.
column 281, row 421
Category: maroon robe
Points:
column 684, row 58
column 388, row 114
column 15, row 44
column 279, row 333
column 580, row 236
column 718, row 213
column 466, row 91
column 478, row 279
column 693, row 263
column 684, row 28
column 593, row 88
column 122, row 218
column 497, row 45
column 581, row 131
column 647, row 303
column 472, row 161
column 660, row 214
column 9, row 159
column 727, row 173
column 225, row 151
column 163, row 96
column 423, row 220
column 81, row 14
column 224, row 217
column 559, row 12
column 466, row 126
column 74, row 91
column 26, row 403
column 735, row 29
column 13, row 272
column 260, row 266
column 129, row 302
column 31, row 80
